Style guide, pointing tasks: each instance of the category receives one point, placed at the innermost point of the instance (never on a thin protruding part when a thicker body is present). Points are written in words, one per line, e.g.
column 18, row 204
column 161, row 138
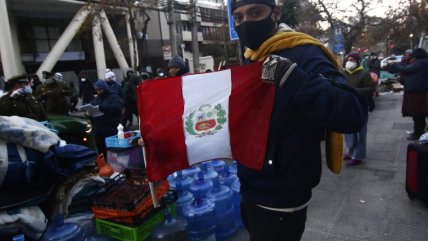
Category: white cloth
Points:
column 30, row 220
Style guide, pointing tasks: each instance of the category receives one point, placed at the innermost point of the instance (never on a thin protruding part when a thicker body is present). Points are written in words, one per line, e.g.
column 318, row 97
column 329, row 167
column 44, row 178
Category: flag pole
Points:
column 151, row 186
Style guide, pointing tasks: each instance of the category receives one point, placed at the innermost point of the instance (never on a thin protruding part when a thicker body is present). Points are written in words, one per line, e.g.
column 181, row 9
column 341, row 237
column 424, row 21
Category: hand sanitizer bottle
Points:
column 120, row 133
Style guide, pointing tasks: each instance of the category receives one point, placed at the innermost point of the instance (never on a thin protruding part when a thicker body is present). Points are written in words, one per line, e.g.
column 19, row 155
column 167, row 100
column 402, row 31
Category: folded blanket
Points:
column 27, row 132
column 30, row 220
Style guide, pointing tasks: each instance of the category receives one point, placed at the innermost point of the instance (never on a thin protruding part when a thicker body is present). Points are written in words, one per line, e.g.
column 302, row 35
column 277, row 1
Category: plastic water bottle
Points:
column 184, row 198
column 61, row 231
column 225, row 177
column 237, row 202
column 120, row 133
column 221, row 195
column 200, row 185
column 216, row 165
column 191, row 171
column 18, row 237
column 172, row 229
column 201, row 219
column 185, row 181
column 209, row 173
column 233, row 168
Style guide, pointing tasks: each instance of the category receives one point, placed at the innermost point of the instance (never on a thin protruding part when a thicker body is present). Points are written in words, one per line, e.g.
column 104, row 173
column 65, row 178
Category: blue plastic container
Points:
column 237, row 202
column 185, row 181
column 221, row 195
column 172, row 229
column 216, row 165
column 184, row 198
column 201, row 219
column 200, row 185
column 233, row 167
column 191, row 171
column 209, row 173
column 61, row 231
column 19, row 237
column 225, row 177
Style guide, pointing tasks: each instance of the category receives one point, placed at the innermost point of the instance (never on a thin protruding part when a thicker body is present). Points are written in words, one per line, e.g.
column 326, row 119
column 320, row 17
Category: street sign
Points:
column 166, row 50
column 232, row 32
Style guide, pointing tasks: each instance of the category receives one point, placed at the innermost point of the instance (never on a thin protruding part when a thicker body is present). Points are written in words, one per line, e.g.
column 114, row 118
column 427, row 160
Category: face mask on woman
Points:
column 253, row 33
column 350, row 65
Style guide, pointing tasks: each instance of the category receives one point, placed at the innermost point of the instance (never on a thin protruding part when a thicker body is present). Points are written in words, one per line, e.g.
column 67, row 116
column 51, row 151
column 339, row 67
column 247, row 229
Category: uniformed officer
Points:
column 19, row 100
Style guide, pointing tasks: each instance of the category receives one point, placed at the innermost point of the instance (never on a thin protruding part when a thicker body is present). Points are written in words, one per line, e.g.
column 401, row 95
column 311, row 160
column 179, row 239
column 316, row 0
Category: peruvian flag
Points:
column 195, row 118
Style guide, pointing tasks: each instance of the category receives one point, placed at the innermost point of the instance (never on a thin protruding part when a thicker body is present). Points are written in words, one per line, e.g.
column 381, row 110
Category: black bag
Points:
column 417, row 171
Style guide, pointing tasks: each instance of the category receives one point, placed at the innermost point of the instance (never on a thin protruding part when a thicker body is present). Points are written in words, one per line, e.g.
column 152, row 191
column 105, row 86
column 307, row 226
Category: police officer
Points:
column 19, row 100
column 53, row 94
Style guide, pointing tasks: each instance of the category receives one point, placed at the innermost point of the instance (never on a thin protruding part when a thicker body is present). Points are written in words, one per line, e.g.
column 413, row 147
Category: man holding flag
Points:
column 310, row 97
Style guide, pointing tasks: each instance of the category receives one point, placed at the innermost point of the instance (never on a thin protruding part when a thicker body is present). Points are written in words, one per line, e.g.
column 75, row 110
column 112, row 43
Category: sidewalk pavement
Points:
column 369, row 202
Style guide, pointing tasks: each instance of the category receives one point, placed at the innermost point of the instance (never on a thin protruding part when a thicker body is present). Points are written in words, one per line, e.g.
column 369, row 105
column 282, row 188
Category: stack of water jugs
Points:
column 208, row 199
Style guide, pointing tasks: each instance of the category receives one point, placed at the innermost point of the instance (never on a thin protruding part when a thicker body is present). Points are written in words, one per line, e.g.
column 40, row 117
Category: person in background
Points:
column 311, row 96
column 365, row 62
column 19, row 100
column 361, row 80
column 374, row 64
column 406, row 60
column 115, row 88
column 415, row 98
column 177, row 67
column 86, row 91
column 111, row 106
column 35, row 81
column 130, row 100
column 54, row 94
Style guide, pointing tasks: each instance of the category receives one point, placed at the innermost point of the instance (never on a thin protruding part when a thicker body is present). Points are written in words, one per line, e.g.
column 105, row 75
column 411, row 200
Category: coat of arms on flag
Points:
column 207, row 120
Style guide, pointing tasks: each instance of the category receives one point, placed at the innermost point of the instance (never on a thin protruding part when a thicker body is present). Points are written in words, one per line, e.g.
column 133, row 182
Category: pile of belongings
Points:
column 40, row 177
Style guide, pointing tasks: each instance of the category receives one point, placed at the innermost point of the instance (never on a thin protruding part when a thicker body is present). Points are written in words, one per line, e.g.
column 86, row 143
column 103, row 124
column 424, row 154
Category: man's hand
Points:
column 17, row 92
column 277, row 69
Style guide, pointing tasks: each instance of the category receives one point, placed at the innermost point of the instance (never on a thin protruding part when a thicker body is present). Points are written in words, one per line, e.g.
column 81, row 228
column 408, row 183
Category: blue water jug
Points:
column 216, row 165
column 185, row 181
column 201, row 219
column 221, row 195
column 184, row 198
column 191, row 171
column 233, row 167
column 225, row 177
column 209, row 173
column 61, row 231
column 200, row 185
column 19, row 237
column 237, row 202
column 172, row 229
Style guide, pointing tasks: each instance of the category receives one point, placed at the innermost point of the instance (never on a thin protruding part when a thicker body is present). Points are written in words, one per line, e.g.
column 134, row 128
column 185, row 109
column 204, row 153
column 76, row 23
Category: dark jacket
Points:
column 87, row 91
column 304, row 107
column 115, row 88
column 23, row 106
column 54, row 97
column 416, row 74
column 111, row 105
column 361, row 80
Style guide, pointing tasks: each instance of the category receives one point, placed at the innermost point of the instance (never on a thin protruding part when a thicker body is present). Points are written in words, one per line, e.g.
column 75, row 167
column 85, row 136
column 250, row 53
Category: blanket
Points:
column 27, row 132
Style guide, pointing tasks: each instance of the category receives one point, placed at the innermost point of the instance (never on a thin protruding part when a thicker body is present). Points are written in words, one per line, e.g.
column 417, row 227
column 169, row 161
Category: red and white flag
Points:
column 195, row 118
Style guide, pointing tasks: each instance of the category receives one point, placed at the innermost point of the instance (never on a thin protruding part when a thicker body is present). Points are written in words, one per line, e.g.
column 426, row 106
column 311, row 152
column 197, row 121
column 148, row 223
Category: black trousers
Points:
column 419, row 124
column 267, row 225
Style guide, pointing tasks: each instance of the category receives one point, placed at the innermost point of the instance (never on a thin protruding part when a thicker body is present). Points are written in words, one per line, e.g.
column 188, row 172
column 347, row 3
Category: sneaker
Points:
column 353, row 162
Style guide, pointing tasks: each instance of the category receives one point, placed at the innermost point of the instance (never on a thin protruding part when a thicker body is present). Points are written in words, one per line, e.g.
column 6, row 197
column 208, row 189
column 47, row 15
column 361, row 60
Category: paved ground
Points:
column 369, row 202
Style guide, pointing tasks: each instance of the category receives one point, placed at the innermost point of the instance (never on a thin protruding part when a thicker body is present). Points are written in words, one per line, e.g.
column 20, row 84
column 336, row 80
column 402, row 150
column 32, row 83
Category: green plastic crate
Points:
column 132, row 233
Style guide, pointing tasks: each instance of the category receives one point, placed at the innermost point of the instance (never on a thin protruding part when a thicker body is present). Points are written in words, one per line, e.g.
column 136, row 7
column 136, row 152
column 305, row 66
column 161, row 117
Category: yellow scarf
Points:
column 284, row 40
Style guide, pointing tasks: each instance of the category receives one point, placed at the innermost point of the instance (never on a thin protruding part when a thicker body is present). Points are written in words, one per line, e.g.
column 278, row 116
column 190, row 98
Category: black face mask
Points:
column 253, row 33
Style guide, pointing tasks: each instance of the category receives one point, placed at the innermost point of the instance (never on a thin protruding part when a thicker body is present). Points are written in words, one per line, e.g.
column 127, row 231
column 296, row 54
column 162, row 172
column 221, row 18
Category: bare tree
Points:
column 354, row 17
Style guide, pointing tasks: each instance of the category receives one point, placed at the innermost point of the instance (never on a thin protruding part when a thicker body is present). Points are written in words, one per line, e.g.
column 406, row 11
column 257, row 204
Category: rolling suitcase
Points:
column 417, row 171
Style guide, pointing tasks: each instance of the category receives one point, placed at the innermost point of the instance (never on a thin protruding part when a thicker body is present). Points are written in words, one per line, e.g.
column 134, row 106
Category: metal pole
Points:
column 130, row 41
column 11, row 60
column 195, row 44
column 97, row 38
column 111, row 38
column 64, row 40
column 172, row 30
